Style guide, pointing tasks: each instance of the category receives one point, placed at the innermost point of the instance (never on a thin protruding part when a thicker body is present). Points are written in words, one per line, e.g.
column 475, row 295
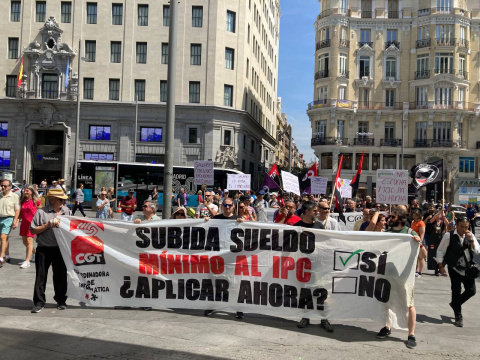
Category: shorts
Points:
column 6, row 225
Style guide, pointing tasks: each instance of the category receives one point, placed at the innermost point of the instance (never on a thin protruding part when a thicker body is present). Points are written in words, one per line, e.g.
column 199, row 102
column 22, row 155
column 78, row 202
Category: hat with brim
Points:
column 58, row 193
column 180, row 208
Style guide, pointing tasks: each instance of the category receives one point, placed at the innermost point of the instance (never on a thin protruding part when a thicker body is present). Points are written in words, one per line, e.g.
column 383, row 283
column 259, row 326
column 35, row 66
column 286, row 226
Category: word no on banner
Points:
column 392, row 187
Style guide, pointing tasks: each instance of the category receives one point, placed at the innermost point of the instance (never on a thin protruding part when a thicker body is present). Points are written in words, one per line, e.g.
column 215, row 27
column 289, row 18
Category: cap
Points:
column 62, row 180
column 273, row 194
column 261, row 192
column 131, row 190
column 58, row 193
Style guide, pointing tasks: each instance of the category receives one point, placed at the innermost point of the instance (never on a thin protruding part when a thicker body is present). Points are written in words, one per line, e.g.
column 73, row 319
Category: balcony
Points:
column 319, row 104
column 419, row 105
column 444, row 10
column 423, row 43
column 369, row 43
column 438, row 143
column 366, row 14
column 325, row 13
column 322, row 74
column 391, row 142
column 392, row 42
column 364, row 141
column 462, row 74
column 445, row 41
column 422, row 74
column 424, row 12
column 344, row 75
column 458, row 105
column 322, row 140
column 323, row 44
column 370, row 105
column 344, row 43
column 341, row 103
column 463, row 43
column 364, row 73
column 444, row 71
column 393, row 14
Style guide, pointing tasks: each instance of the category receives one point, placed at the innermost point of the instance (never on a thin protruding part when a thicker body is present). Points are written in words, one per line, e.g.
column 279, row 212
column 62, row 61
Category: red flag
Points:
column 356, row 179
column 273, row 171
column 311, row 172
column 338, row 195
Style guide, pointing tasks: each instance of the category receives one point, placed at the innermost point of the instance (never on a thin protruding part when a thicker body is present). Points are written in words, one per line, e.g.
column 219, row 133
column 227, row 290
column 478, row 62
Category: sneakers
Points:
column 458, row 322
column 62, row 306
column 411, row 341
column 239, row 315
column 208, row 313
column 7, row 259
column 25, row 265
column 326, row 325
column 418, row 275
column 36, row 309
column 303, row 323
column 1, row 264
column 384, row 332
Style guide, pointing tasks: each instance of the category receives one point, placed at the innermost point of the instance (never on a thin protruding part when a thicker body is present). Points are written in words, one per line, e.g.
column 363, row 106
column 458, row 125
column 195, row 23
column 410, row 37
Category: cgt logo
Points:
column 88, row 227
column 87, row 250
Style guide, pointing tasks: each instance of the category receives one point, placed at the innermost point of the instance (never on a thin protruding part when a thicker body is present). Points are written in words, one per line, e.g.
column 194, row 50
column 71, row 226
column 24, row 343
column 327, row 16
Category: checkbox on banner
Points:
column 344, row 285
column 344, row 260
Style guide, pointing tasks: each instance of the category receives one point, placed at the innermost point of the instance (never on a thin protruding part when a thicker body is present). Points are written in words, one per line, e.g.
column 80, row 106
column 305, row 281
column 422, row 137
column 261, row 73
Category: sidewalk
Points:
column 104, row 333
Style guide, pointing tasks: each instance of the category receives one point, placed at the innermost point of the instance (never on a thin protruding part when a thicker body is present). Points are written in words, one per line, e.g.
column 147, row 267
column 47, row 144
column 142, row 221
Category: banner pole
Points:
column 443, row 195
column 331, row 201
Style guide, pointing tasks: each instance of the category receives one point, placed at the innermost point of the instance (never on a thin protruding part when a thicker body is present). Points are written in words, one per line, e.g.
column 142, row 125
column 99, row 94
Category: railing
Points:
column 342, row 103
column 344, row 43
column 321, row 74
column 422, row 74
column 369, row 43
column 444, row 10
column 392, row 105
column 419, row 105
column 344, row 75
column 364, row 141
column 319, row 104
column 423, row 43
column 323, row 44
column 438, row 143
column 458, row 105
column 444, row 71
column 424, row 12
column 364, row 73
column 445, row 41
column 462, row 74
column 379, row 105
column 391, row 74
column 325, row 13
column 323, row 140
column 392, row 42
column 366, row 14
column 441, row 105
column 463, row 43
column 348, row 104
column 393, row 14
column 391, row 142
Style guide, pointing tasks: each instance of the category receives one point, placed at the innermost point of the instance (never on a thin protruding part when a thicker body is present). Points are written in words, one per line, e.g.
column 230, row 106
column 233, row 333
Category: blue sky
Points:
column 296, row 67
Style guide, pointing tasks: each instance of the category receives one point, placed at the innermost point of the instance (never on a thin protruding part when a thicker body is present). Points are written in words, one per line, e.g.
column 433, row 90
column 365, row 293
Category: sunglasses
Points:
column 181, row 214
column 5, row 186
column 227, row 205
column 145, row 206
column 241, row 207
column 324, row 208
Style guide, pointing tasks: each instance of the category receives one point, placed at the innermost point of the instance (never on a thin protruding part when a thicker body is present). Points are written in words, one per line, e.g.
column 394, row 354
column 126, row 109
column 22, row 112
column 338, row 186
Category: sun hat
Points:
column 58, row 193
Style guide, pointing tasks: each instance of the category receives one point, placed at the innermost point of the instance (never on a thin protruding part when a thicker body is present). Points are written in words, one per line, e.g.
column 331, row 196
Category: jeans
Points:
column 126, row 217
column 79, row 207
column 44, row 257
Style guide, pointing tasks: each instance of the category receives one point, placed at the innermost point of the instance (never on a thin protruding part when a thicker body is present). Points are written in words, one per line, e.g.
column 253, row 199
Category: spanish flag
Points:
column 20, row 74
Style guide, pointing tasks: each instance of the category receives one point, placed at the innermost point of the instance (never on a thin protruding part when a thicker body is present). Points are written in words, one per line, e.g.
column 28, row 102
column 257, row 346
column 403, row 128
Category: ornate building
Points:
column 226, row 83
column 397, row 77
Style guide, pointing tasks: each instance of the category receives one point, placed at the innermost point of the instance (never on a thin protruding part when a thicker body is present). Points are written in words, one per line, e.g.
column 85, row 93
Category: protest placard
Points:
column 238, row 181
column 290, row 183
column 318, row 185
column 392, row 186
column 203, row 170
column 345, row 188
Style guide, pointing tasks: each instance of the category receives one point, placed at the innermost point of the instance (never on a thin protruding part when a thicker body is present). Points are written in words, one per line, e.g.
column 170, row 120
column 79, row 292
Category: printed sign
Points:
column 203, row 172
column 318, row 185
column 392, row 186
column 238, row 181
column 345, row 188
column 290, row 183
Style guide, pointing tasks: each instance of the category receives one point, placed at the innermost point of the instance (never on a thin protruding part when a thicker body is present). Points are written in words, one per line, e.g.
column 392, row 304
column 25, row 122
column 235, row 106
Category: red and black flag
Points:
column 269, row 184
column 338, row 195
column 274, row 174
column 306, row 182
column 356, row 179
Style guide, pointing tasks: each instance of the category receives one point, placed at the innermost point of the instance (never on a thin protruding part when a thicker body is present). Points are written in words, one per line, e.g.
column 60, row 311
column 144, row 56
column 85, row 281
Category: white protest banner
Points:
column 318, row 185
column 203, row 170
column 345, row 188
column 238, row 181
column 392, row 186
column 269, row 269
column 350, row 217
column 290, row 183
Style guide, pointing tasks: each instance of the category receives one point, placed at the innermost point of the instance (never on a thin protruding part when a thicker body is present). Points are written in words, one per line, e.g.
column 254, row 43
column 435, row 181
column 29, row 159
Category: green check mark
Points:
column 351, row 255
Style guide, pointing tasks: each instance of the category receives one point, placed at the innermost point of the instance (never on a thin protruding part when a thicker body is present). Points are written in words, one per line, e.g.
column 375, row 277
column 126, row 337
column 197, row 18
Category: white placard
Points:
column 238, row 181
column 392, row 186
column 290, row 183
column 318, row 185
column 203, row 172
column 345, row 188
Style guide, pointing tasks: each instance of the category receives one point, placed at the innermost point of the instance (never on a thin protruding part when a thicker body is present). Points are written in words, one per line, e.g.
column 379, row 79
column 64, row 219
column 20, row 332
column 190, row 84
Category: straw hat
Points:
column 58, row 193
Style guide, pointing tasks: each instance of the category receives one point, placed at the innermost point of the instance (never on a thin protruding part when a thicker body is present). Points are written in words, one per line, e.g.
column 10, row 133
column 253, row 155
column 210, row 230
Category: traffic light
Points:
column 432, row 193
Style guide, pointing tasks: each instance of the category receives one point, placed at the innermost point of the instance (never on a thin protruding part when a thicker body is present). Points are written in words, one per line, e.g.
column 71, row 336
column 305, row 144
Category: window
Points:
column 391, row 35
column 229, row 58
column 364, row 66
column 98, row 156
column 140, row 90
column 41, row 10
column 364, row 36
column 164, row 53
column 248, row 66
column 326, row 160
column 443, row 97
column 389, row 161
column 375, row 161
column 445, row 34
column 90, row 50
column 362, row 129
column 11, row 88
column 421, row 130
column 343, row 65
column 166, row 15
column 227, row 137
column 422, row 67
column 231, row 21
column 117, row 14
column 196, row 54
column 5, row 158
column 389, row 130
column 197, row 16
column 151, row 134
column 391, row 68
column 343, row 6
column 13, row 48
column 443, row 63
column 91, row 13
column 320, row 129
column 228, row 95
column 141, row 52
column 88, row 85
column 3, row 129
column 114, row 89
column 365, row 161
column 467, row 165
column 252, row 146
column 421, row 97
column 142, row 15
column 341, row 129
column 364, row 98
column 461, row 66
column 441, row 130
column 99, row 132
column 15, row 11
column 194, row 92
column 322, row 95
column 444, row 5
column 163, row 90
column 115, row 52
column 389, row 98
column 342, row 95
column 347, row 162
column 192, row 135
column 323, row 65
column 49, row 86
column 66, row 7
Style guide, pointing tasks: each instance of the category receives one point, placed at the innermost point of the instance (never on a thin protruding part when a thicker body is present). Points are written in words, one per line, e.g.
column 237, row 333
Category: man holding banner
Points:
column 327, row 221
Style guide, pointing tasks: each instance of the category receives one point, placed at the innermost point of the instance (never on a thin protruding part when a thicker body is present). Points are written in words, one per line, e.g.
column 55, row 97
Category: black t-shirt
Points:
column 315, row 225
column 223, row 217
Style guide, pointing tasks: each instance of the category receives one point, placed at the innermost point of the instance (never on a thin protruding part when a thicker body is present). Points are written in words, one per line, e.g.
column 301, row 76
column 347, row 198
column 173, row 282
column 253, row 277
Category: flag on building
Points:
column 269, row 184
column 356, row 179
column 338, row 196
column 20, row 74
column 424, row 174
column 67, row 74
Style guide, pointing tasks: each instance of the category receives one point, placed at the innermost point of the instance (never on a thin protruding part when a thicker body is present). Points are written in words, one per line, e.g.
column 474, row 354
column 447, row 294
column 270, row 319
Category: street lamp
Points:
column 281, row 133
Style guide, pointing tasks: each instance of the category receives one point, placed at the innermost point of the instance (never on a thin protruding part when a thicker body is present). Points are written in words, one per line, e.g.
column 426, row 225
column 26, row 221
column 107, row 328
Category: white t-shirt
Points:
column 332, row 223
column 203, row 211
